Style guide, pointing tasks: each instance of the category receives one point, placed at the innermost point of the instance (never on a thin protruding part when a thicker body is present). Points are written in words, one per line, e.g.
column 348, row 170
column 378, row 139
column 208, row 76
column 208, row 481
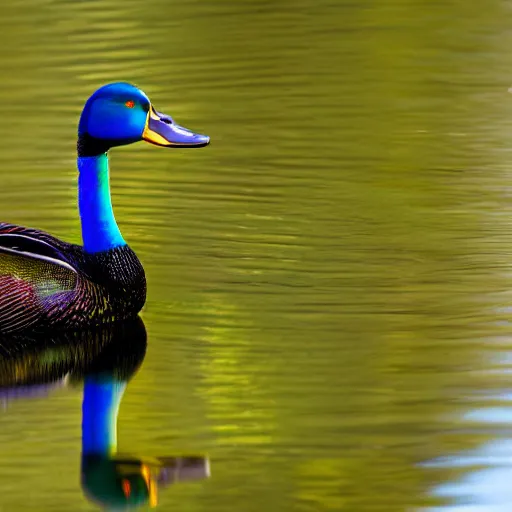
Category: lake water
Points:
column 329, row 282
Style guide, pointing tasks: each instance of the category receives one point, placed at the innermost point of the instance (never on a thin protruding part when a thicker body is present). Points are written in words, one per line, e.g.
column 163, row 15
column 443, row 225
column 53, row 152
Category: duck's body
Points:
column 46, row 283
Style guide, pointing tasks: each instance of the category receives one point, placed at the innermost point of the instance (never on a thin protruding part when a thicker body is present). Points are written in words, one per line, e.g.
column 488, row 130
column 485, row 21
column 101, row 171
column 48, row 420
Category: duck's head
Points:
column 120, row 113
column 126, row 482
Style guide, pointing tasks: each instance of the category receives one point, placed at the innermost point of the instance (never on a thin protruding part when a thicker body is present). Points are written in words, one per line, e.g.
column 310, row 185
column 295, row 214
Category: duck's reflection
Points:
column 105, row 360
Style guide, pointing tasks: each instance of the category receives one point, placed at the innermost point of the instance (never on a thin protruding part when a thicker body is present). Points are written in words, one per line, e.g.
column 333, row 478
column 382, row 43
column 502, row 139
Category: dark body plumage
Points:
column 46, row 283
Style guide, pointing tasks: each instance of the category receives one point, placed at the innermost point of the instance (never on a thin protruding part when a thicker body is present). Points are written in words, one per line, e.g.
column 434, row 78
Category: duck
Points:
column 49, row 284
column 103, row 360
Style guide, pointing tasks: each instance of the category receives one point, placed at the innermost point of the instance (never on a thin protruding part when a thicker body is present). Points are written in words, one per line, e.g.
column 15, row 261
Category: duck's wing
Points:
column 37, row 277
column 33, row 241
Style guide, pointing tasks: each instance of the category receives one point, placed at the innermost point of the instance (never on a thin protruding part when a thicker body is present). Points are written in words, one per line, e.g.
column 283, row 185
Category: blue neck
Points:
column 99, row 227
column 102, row 396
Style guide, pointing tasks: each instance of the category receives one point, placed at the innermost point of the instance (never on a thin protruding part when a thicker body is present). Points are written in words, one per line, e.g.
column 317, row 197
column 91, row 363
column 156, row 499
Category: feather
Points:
column 30, row 287
column 47, row 283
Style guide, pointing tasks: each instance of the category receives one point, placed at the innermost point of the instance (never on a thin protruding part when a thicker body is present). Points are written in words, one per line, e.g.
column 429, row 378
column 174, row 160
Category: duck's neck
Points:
column 102, row 396
column 99, row 227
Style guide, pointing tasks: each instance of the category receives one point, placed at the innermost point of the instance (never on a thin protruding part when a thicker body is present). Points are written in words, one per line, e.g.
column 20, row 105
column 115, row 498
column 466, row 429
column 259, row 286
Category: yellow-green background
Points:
column 328, row 282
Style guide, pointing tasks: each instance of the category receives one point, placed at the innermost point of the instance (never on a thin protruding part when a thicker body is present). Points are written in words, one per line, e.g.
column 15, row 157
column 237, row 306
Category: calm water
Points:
column 330, row 285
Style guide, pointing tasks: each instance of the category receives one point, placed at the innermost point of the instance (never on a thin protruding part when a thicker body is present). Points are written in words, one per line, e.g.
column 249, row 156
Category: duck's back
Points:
column 46, row 283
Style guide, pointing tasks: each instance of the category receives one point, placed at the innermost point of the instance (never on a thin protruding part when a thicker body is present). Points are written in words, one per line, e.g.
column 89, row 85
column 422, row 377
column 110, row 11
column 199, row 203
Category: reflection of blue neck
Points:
column 102, row 396
column 99, row 227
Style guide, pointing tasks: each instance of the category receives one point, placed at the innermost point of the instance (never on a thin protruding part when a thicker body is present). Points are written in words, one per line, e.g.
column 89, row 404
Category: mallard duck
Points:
column 104, row 359
column 46, row 283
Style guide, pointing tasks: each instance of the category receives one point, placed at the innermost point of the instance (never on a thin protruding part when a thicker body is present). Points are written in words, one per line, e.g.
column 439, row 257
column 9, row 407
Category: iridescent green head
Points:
column 120, row 113
column 125, row 482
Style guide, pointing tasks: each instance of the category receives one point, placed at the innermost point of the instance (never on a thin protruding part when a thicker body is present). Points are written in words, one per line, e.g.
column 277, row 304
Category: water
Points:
column 329, row 282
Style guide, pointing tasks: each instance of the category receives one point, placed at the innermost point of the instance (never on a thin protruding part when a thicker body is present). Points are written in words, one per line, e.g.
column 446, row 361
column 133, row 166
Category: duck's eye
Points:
column 127, row 487
column 129, row 104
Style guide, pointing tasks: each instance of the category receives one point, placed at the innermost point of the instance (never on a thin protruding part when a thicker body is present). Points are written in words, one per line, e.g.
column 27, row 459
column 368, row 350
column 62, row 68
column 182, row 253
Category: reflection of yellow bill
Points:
column 151, row 485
